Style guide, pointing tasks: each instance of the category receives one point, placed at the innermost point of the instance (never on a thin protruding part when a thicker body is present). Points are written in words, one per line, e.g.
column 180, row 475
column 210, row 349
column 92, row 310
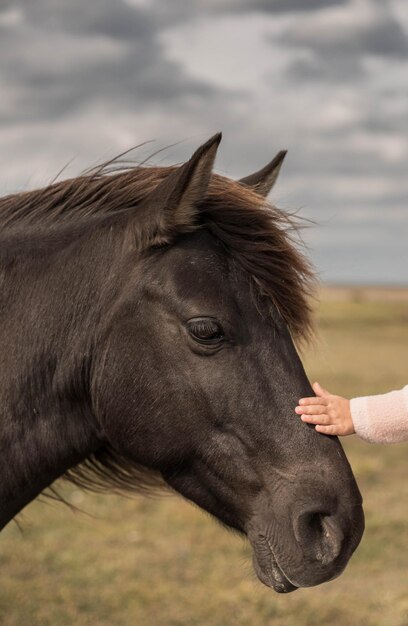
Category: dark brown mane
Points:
column 262, row 239
column 258, row 235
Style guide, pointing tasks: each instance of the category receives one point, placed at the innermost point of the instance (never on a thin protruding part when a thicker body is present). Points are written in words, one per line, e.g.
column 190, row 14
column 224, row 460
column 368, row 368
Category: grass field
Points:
column 162, row 562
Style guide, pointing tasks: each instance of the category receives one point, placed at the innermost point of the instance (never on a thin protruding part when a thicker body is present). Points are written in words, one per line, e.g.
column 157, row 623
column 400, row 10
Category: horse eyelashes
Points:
column 205, row 329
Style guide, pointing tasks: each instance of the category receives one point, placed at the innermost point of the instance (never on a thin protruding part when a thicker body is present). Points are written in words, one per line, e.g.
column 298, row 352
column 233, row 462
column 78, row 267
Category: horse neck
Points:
column 48, row 319
column 37, row 453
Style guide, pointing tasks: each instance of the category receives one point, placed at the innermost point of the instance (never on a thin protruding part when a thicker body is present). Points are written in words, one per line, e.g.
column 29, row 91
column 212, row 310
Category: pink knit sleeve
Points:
column 383, row 418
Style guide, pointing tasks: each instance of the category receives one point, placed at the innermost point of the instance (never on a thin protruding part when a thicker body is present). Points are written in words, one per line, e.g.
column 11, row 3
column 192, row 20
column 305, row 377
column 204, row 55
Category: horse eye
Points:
column 205, row 330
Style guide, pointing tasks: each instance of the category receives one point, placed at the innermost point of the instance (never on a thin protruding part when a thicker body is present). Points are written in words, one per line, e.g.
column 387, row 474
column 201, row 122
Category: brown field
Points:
column 163, row 562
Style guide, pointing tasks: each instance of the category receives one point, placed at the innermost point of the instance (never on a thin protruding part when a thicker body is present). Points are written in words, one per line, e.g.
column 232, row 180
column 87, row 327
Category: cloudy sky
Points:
column 326, row 79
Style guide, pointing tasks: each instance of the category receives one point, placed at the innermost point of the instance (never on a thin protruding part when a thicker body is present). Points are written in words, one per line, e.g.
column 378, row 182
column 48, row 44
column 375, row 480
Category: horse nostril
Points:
column 320, row 536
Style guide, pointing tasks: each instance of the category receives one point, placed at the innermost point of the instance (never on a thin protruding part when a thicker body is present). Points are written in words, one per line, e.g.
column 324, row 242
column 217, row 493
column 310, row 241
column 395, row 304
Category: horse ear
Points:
column 263, row 180
column 173, row 204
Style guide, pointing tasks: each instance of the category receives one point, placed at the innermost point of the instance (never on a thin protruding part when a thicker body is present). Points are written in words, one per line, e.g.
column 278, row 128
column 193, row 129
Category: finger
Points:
column 319, row 391
column 326, row 429
column 312, row 409
column 314, row 400
column 315, row 419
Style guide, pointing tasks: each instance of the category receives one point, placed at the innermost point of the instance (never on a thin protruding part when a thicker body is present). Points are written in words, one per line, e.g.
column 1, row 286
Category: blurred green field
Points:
column 162, row 562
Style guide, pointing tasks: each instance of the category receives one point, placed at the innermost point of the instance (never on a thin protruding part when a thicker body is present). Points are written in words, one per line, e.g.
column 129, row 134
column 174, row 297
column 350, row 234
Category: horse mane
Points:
column 261, row 238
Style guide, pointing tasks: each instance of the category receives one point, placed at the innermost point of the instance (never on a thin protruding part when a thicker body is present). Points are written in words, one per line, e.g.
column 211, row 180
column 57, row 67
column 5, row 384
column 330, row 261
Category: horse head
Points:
column 198, row 375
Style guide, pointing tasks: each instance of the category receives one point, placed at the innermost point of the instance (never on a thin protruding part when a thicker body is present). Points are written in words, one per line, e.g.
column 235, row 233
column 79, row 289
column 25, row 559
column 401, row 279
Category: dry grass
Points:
column 162, row 562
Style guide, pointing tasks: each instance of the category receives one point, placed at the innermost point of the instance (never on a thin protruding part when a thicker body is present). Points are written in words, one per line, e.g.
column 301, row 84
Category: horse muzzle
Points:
column 313, row 546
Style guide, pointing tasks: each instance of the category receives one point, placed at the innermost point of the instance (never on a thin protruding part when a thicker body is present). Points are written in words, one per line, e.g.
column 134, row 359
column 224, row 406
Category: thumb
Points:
column 319, row 391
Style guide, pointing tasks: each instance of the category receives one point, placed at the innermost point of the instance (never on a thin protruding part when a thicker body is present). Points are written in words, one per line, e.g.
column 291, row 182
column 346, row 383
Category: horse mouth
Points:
column 267, row 568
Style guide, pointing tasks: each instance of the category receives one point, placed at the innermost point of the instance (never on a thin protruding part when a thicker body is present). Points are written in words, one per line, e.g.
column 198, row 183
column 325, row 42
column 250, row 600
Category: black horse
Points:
column 147, row 320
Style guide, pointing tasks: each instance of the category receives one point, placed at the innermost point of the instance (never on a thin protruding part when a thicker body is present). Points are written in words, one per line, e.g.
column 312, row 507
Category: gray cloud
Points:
column 285, row 6
column 381, row 36
column 118, row 20
column 181, row 10
column 337, row 44
column 329, row 68
column 58, row 61
column 178, row 11
column 384, row 39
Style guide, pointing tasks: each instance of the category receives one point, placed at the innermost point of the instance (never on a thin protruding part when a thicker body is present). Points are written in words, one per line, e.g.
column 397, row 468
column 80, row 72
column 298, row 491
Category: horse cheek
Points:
column 139, row 401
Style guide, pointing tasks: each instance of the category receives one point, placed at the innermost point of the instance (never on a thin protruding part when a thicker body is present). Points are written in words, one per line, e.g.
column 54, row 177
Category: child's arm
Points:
column 378, row 419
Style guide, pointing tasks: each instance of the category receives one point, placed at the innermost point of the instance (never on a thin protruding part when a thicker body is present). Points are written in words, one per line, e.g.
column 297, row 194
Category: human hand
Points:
column 330, row 414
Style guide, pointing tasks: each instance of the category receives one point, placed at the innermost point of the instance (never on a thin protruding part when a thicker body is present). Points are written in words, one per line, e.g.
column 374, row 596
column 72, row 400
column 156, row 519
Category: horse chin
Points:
column 269, row 573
